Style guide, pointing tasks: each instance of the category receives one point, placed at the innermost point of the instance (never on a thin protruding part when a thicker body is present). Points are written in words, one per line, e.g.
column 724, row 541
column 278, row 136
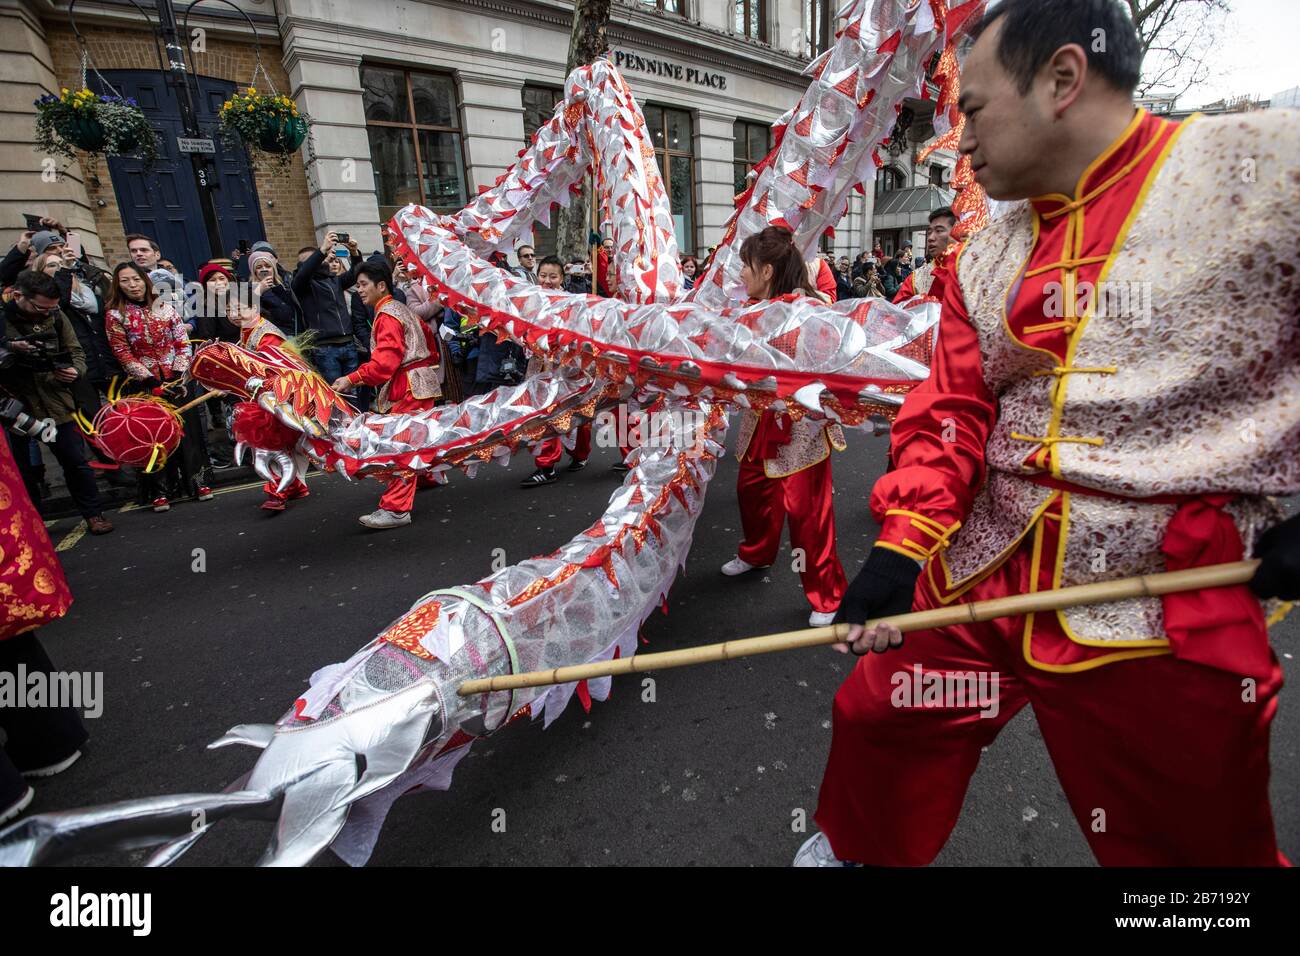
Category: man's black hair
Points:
column 943, row 212
column 1032, row 30
column 376, row 272
column 30, row 283
column 551, row 261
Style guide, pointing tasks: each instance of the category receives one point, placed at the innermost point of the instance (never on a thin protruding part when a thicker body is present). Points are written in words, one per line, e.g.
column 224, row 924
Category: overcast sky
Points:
column 1259, row 54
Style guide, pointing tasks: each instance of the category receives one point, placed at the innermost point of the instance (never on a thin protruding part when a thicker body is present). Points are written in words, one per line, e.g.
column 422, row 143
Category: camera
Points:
column 510, row 370
column 42, row 355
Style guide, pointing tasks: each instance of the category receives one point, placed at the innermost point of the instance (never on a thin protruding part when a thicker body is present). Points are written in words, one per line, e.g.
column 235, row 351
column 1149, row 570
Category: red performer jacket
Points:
column 1098, row 405
column 403, row 360
column 33, row 590
column 926, row 280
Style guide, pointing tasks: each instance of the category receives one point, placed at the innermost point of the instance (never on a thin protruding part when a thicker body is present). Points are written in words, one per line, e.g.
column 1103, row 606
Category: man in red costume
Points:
column 1061, row 439
column 404, row 365
column 938, row 237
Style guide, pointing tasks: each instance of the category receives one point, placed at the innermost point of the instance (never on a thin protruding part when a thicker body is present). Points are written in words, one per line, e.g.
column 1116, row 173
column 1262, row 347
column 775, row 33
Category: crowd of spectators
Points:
column 72, row 329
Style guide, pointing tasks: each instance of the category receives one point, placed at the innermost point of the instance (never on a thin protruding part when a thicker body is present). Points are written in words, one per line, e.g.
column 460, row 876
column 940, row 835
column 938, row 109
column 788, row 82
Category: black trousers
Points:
column 70, row 449
column 35, row 736
column 187, row 467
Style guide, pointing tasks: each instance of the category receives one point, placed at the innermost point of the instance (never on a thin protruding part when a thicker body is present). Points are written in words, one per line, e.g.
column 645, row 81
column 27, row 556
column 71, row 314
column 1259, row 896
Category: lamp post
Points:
column 201, row 163
column 178, row 78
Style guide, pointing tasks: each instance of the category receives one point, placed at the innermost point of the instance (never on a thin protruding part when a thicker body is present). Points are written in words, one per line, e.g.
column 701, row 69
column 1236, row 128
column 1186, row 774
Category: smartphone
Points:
column 74, row 243
column 344, row 237
column 33, row 222
column 243, row 247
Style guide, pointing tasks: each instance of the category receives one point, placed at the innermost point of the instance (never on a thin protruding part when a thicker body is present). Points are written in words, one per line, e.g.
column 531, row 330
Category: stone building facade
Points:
column 426, row 100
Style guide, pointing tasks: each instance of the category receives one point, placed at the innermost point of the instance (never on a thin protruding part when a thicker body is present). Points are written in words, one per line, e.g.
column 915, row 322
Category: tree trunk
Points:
column 586, row 42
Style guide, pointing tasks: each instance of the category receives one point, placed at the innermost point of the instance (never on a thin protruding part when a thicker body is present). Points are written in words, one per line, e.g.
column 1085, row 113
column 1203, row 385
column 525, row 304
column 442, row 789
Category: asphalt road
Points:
column 714, row 771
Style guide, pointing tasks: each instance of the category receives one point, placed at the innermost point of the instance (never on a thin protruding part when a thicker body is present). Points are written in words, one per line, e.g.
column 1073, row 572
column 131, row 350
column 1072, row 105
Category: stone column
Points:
column 714, row 177
column 492, row 122
column 40, row 185
column 340, row 177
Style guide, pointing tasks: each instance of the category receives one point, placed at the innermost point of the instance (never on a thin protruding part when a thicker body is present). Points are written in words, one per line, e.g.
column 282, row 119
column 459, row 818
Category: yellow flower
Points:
column 64, row 90
column 252, row 89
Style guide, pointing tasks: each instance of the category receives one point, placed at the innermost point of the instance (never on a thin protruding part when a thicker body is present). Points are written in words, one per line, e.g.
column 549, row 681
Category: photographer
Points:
column 32, row 243
column 499, row 363
column 39, row 364
column 325, row 308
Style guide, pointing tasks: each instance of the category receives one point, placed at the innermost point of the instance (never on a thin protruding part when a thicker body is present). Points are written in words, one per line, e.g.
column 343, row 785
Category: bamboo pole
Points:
column 198, row 401
column 1101, row 592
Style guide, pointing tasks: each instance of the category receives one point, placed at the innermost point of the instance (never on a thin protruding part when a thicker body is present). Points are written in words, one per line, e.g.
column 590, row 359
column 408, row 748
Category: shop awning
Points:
column 909, row 208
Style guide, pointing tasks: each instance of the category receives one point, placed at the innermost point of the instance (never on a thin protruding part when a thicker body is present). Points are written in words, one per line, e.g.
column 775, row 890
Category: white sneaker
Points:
column 54, row 768
column 737, row 566
column 816, row 851
column 14, row 809
column 382, row 519
column 821, row 618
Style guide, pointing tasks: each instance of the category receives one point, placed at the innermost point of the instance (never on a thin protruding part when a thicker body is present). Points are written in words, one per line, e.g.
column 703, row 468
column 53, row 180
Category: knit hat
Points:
column 259, row 256
column 42, row 241
column 211, row 269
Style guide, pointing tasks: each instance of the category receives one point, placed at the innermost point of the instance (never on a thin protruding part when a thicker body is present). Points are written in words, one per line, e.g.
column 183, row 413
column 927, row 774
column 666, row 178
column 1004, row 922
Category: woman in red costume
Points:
column 785, row 466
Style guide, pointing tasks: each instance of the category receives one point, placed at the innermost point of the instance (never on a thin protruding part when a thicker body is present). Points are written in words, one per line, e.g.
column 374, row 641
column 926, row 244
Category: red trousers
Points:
column 399, row 494
column 1162, row 761
column 805, row 498
column 548, row 452
column 297, row 489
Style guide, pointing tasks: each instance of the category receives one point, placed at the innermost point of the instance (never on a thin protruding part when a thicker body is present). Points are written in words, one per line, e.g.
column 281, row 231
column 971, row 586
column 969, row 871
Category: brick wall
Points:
column 288, row 220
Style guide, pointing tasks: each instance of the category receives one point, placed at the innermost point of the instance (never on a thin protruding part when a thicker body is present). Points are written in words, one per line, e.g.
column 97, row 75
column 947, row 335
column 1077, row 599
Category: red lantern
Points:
column 137, row 431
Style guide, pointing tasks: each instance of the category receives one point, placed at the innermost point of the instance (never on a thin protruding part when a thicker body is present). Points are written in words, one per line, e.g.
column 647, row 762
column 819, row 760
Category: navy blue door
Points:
column 164, row 203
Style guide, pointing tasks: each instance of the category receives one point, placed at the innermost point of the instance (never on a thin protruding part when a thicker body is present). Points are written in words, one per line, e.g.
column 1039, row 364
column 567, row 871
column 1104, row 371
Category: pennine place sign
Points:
column 658, row 66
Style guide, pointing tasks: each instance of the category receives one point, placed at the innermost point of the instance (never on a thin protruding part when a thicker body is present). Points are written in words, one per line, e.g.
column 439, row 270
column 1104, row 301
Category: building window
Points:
column 752, row 143
column 821, row 25
column 751, row 19
column 888, row 179
column 936, row 175
column 413, row 122
column 539, row 107
column 672, row 133
column 668, row 6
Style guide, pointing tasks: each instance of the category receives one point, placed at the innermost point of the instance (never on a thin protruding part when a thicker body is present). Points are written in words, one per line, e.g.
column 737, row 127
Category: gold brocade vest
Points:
column 1205, row 390
column 810, row 443
column 422, row 382
column 922, row 277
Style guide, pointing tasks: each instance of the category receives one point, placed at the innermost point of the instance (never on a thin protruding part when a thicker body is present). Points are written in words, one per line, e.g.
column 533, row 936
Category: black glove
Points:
column 1278, row 549
column 883, row 587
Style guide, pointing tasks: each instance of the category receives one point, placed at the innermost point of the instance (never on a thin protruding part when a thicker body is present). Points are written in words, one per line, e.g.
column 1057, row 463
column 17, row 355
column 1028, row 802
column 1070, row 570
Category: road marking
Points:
column 226, row 491
column 72, row 537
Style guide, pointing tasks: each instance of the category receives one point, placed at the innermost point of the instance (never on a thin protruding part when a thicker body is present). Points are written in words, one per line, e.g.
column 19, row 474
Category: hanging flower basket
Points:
column 282, row 135
column 268, row 124
column 95, row 124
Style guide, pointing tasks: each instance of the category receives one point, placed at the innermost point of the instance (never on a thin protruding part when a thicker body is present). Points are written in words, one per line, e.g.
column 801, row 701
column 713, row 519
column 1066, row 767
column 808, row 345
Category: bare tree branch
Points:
column 1177, row 38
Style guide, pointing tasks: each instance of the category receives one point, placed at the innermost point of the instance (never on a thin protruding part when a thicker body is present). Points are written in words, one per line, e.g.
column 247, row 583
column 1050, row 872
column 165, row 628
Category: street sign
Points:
column 195, row 144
